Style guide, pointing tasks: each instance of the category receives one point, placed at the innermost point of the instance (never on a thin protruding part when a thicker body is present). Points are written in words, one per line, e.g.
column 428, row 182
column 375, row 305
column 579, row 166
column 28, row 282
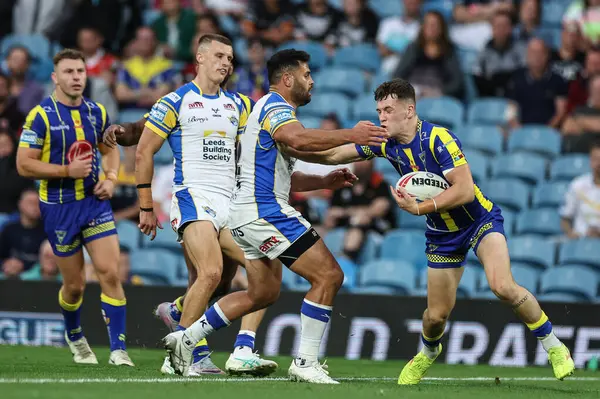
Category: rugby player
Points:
column 60, row 145
column 459, row 219
column 268, row 229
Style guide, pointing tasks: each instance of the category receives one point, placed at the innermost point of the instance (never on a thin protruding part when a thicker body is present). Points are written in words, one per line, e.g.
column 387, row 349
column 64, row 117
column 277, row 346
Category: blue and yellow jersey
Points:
column 63, row 133
column 437, row 150
column 137, row 73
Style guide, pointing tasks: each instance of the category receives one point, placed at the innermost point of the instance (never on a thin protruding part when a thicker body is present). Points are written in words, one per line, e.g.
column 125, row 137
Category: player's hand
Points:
column 12, row 267
column 80, row 167
column 111, row 135
column 148, row 224
column 104, row 189
column 339, row 178
column 367, row 133
column 404, row 200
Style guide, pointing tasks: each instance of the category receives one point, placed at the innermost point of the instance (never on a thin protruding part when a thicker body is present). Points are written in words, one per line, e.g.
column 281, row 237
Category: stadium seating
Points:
column 397, row 274
column 479, row 165
column 129, row 234
column 382, row 165
column 574, row 280
column 370, row 248
column 487, row 111
column 510, row 193
column 158, row 265
column 509, row 222
column 558, row 297
column 362, row 56
column 408, row 246
column 568, row 167
column 350, row 270
column 386, row 8
column 444, row 7
column 446, row 111
column 38, row 45
column 469, row 283
column 523, row 274
column 487, row 139
column 553, row 11
column 164, row 156
column 529, row 167
column 533, row 138
column 349, row 81
column 549, row 194
column 539, row 221
column 327, row 103
column 532, row 250
column 318, row 54
column 409, row 221
column 334, row 240
column 165, row 239
column 131, row 115
column 376, row 80
column 311, row 122
column 364, row 108
column 374, row 290
column 585, row 251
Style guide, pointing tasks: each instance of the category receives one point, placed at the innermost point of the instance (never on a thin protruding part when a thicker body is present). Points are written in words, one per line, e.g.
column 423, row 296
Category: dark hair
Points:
column 397, row 88
column 20, row 48
column 213, row 37
column 283, row 61
column 68, row 54
column 443, row 40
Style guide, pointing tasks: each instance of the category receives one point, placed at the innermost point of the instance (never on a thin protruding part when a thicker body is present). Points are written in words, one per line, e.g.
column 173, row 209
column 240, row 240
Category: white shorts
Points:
column 188, row 205
column 270, row 236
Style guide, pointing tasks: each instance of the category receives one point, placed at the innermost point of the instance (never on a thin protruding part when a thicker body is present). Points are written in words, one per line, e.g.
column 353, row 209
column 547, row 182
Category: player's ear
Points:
column 199, row 58
column 288, row 79
column 54, row 79
column 410, row 110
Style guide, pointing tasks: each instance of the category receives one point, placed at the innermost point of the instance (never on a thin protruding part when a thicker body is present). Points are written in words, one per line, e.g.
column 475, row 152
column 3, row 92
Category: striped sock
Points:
column 72, row 316
column 213, row 319
column 315, row 318
column 431, row 346
column 244, row 343
column 176, row 308
column 114, row 311
column 542, row 329
column 201, row 350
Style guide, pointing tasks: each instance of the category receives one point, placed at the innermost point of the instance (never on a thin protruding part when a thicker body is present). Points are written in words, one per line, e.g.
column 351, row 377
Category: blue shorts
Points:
column 447, row 250
column 69, row 226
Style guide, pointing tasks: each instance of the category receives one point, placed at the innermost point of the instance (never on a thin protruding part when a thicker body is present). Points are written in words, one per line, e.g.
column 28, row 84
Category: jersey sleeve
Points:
column 35, row 129
column 164, row 115
column 278, row 117
column 446, row 149
column 369, row 151
column 104, row 123
column 245, row 110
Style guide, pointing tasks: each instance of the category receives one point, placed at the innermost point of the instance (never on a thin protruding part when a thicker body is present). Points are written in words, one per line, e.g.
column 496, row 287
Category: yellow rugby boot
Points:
column 561, row 361
column 416, row 369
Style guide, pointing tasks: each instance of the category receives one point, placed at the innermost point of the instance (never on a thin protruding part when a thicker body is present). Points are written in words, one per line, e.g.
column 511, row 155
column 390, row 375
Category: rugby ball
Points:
column 422, row 185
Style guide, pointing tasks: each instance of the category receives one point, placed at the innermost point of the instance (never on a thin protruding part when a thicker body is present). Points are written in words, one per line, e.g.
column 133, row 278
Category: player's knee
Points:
column 505, row 289
column 265, row 295
column 73, row 290
column 437, row 317
column 332, row 277
column 211, row 276
column 109, row 278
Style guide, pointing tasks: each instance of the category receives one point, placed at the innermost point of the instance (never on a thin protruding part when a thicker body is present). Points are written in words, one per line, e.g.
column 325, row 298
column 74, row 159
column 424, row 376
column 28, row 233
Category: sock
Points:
column 213, row 319
column 176, row 308
column 113, row 311
column 244, row 343
column 201, row 350
column 542, row 329
column 431, row 346
column 314, row 321
column 72, row 315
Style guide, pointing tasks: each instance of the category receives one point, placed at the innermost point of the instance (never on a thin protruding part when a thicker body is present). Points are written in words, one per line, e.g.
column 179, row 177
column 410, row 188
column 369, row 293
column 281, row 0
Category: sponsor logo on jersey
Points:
column 237, row 233
column 82, row 148
column 60, row 127
column 194, row 119
column 269, row 244
column 60, row 235
column 234, row 121
column 229, row 107
column 173, row 97
column 216, row 150
column 422, row 157
column 48, row 109
column 92, row 119
column 279, row 116
column 29, row 137
column 157, row 114
column 210, row 211
column 457, row 155
column 196, row 105
column 216, row 112
column 277, row 104
column 174, row 224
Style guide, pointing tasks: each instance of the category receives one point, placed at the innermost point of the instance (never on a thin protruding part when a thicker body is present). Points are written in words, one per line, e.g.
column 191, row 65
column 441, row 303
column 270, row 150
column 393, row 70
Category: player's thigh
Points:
column 442, row 284
column 230, row 248
column 492, row 252
column 202, row 243
column 317, row 264
column 264, row 279
column 100, row 235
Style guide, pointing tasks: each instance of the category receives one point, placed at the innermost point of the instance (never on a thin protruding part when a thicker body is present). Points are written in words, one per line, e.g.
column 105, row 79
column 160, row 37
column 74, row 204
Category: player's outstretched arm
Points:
column 334, row 180
column 125, row 134
column 297, row 137
column 343, row 154
column 110, row 165
column 30, row 166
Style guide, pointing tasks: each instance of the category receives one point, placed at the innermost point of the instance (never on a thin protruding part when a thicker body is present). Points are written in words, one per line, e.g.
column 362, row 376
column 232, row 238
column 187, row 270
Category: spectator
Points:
column 175, row 29
column 146, row 77
column 205, row 24
column 568, row 61
column 539, row 93
column 431, row 63
column 501, row 57
column 530, row 14
column 586, row 13
column 472, row 28
column 580, row 213
column 6, row 16
column 98, row 90
column 271, row 20
column 583, row 127
column 363, row 208
column 13, row 184
column 46, row 269
column 315, row 20
column 124, row 202
column 20, row 241
column 358, row 25
column 27, row 92
column 578, row 89
column 252, row 80
column 43, row 17
column 11, row 119
column 235, row 8
column 395, row 33
column 99, row 63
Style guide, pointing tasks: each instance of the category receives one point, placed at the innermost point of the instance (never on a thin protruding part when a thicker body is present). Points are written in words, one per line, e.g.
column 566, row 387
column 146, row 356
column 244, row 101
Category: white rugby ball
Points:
column 422, row 185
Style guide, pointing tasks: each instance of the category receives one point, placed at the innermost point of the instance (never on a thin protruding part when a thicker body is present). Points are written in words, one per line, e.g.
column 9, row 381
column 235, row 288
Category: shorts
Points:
column 448, row 250
column 188, row 205
column 270, row 236
column 69, row 226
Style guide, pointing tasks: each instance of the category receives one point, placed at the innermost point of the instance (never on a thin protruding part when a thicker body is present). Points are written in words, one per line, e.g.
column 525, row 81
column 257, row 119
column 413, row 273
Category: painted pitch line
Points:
column 268, row 379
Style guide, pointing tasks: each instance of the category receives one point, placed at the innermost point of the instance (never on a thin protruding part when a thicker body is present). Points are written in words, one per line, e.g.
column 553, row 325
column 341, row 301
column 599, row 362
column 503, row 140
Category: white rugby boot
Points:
column 180, row 356
column 163, row 312
column 82, row 353
column 316, row 373
column 252, row 365
column 120, row 357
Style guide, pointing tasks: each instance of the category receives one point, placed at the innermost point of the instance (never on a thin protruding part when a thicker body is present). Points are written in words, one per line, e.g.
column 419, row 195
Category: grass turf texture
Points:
column 28, row 372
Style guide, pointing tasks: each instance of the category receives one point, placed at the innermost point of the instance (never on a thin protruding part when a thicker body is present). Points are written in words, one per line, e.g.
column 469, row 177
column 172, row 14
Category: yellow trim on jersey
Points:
column 199, row 88
column 245, row 112
column 172, row 109
column 411, row 159
column 103, row 111
column 150, row 125
column 448, row 142
column 450, row 224
column 539, row 323
column 76, row 116
column 45, row 153
column 112, row 301
column 485, row 203
column 101, row 228
column 280, row 125
column 383, row 149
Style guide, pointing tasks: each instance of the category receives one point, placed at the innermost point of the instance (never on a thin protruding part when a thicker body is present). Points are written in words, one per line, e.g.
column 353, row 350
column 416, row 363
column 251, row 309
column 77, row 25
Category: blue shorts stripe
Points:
column 186, row 206
column 289, row 227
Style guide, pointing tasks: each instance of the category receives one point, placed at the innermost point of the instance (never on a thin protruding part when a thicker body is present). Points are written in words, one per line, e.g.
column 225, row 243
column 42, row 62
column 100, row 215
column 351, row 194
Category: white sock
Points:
column 314, row 321
column 213, row 319
column 431, row 352
column 242, row 352
column 550, row 341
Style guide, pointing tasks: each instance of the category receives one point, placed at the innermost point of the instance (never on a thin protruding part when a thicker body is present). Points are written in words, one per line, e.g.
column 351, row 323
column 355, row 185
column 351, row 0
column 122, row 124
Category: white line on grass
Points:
column 268, row 379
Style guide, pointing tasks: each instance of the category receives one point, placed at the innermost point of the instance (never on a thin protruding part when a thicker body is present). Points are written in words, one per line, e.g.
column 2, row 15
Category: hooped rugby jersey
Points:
column 62, row 133
column 202, row 131
column 263, row 186
column 437, row 150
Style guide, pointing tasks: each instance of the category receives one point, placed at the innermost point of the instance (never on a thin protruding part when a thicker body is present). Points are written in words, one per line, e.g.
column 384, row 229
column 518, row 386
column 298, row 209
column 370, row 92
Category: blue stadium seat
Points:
column 541, row 221
column 487, row 139
column 3, row 219
column 376, row 80
column 568, row 167
column 532, row 250
column 164, row 156
column 157, row 264
column 382, row 165
column 318, row 54
column 374, row 290
column 509, row 222
column 362, row 56
column 487, row 111
column 349, row 81
column 553, row 11
column 386, row 8
column 240, row 49
column 509, row 193
column 575, row 280
column 131, row 115
column 585, row 251
column 444, row 7
column 479, row 164
column 549, row 194
column 470, row 93
column 165, row 239
column 150, row 16
column 320, row 205
column 364, row 108
column 446, row 111
column 469, row 283
column 467, row 58
column 398, row 274
column 311, row 122
column 408, row 246
column 338, row 4
column 523, row 274
column 129, row 234
column 334, row 240
column 558, row 297
column 370, row 248
column 327, row 103
column 409, row 221
column 38, row 45
column 539, row 139
column 350, row 270
column 229, row 25
column 391, row 177
column 528, row 167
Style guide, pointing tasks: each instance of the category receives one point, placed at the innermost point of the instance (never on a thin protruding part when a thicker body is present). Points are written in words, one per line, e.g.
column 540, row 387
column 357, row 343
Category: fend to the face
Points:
column 70, row 76
column 214, row 60
column 396, row 106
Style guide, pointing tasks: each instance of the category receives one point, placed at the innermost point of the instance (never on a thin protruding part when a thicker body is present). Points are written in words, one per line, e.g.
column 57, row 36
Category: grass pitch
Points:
column 48, row 373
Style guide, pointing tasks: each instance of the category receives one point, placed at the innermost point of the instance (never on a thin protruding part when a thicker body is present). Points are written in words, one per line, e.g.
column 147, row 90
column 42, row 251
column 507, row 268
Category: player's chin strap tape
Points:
column 144, row 185
column 300, row 246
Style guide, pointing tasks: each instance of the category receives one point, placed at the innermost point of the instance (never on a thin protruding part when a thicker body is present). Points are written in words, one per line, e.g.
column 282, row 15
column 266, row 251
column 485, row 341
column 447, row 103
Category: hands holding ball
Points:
column 417, row 187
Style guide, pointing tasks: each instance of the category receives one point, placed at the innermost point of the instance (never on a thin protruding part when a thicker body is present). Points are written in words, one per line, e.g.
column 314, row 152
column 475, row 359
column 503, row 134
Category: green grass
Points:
column 27, row 363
